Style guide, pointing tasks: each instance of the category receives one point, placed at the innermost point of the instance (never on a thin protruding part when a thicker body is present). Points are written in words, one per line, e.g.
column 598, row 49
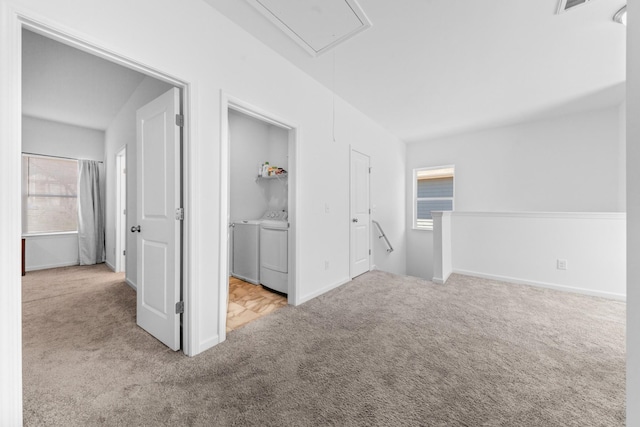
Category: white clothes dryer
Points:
column 274, row 254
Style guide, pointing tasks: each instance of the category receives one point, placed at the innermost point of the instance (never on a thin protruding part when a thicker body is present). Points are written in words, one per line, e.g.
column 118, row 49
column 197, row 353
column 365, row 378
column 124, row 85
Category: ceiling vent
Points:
column 316, row 25
column 565, row 5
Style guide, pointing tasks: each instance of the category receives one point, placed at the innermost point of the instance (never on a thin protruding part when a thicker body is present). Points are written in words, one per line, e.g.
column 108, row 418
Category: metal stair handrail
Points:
column 383, row 236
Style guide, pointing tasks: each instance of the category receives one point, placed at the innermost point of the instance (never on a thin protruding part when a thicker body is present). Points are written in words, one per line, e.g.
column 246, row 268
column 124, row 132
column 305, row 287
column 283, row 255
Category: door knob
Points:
column 135, row 228
column 354, row 220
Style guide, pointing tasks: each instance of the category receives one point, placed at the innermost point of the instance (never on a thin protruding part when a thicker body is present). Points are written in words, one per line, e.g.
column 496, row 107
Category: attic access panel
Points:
column 316, row 25
column 565, row 5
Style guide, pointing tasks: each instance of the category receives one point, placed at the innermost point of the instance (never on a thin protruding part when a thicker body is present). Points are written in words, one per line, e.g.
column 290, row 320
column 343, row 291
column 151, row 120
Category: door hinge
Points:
column 180, row 307
column 180, row 214
column 179, row 120
column 369, row 169
column 124, row 252
column 369, row 251
column 369, row 211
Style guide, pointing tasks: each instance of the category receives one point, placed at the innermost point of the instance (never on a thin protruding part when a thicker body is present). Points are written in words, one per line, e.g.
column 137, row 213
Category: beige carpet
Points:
column 381, row 350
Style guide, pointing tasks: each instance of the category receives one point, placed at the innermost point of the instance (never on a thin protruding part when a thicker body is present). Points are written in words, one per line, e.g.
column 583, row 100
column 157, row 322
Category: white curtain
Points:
column 90, row 213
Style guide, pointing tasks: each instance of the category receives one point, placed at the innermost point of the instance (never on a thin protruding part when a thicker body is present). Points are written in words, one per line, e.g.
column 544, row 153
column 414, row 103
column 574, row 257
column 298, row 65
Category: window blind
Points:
column 51, row 194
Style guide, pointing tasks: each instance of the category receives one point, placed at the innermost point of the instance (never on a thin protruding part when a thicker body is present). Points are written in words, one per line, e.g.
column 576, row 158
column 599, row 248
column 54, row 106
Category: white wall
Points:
column 567, row 164
column 388, row 202
column 120, row 133
column 57, row 139
column 252, row 143
column 213, row 55
column 633, row 215
column 525, row 247
column 51, row 251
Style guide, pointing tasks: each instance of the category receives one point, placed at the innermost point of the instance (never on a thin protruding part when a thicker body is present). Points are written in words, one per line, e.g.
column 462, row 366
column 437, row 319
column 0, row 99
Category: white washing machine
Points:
column 274, row 254
column 245, row 261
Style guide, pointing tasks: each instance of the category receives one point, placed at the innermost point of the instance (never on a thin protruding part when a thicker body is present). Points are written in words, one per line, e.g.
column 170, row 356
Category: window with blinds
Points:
column 434, row 192
column 49, row 195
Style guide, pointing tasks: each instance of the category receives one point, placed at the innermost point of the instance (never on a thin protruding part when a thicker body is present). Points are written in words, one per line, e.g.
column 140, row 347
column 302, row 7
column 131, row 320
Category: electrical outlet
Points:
column 562, row 264
column 326, row 265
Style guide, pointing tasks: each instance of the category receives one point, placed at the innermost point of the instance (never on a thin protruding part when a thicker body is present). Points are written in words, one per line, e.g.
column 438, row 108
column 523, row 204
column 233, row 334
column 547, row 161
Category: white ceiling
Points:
column 66, row 85
column 433, row 67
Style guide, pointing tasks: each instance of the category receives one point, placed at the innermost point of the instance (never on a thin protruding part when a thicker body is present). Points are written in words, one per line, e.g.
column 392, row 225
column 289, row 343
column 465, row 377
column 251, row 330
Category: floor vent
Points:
column 565, row 5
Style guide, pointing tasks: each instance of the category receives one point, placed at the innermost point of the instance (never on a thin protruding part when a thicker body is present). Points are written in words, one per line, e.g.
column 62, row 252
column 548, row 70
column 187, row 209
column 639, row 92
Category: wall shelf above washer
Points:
column 279, row 177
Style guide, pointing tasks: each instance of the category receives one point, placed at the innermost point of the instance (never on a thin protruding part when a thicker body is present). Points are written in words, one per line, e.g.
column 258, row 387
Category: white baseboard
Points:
column 246, row 279
column 439, row 280
column 47, row 266
column 319, row 292
column 111, row 267
column 609, row 295
column 131, row 284
column 208, row 343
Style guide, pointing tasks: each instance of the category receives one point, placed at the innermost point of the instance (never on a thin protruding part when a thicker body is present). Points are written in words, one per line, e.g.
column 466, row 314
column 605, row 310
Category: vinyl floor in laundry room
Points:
column 248, row 302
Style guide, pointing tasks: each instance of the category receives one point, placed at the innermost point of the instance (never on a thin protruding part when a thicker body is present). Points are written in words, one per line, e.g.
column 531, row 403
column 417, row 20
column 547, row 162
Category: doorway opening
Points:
column 80, row 102
column 258, row 214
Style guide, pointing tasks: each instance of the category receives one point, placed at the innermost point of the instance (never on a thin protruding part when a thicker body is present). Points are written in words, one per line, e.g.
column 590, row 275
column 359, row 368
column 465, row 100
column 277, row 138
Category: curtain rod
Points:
column 58, row 157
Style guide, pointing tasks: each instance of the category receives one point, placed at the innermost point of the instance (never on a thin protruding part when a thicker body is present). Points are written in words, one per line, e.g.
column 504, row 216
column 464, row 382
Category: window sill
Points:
column 423, row 228
column 49, row 234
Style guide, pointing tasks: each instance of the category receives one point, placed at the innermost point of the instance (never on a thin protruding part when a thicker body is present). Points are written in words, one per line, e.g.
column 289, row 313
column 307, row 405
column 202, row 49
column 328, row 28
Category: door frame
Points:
column 351, row 150
column 230, row 102
column 121, row 223
column 14, row 18
column 49, row 30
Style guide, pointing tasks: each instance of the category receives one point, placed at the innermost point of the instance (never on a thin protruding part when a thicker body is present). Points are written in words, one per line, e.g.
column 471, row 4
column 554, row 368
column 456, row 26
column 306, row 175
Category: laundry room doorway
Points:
column 258, row 215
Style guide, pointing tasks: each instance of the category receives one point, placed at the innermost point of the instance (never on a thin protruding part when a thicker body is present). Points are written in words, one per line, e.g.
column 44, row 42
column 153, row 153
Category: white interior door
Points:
column 360, row 214
column 158, row 229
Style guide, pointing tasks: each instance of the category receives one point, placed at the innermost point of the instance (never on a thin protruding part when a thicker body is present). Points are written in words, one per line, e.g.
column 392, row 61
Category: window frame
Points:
column 416, row 199
column 25, row 196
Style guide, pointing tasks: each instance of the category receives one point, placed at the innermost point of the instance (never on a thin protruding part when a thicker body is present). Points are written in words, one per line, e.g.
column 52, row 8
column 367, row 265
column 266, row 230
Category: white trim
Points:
column 555, row 215
column 49, row 266
column 12, row 20
column 254, row 112
column 11, row 219
column 49, row 235
column 111, row 266
column 120, row 245
column 209, row 343
column 324, row 290
column 439, row 280
column 93, row 47
column 131, row 284
column 190, row 239
column 230, row 102
column 517, row 281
